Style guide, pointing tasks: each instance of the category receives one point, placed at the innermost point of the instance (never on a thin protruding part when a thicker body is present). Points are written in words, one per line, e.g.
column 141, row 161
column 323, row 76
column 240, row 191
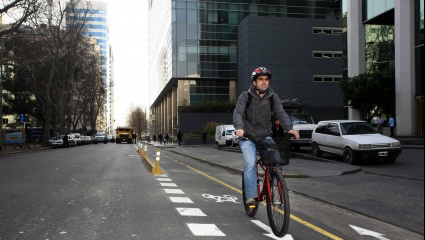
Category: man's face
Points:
column 262, row 83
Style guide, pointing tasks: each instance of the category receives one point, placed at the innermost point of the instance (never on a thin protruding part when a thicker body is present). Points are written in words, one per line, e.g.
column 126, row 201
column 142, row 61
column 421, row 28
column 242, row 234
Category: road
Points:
column 104, row 191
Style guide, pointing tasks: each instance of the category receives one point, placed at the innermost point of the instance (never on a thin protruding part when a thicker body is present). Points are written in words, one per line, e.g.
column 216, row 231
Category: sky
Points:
column 128, row 28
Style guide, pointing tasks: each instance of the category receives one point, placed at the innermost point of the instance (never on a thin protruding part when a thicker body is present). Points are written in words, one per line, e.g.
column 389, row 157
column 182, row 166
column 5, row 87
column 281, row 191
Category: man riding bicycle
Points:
column 252, row 114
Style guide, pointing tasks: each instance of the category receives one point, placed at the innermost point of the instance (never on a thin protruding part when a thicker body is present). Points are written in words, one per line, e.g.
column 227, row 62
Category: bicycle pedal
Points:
column 252, row 206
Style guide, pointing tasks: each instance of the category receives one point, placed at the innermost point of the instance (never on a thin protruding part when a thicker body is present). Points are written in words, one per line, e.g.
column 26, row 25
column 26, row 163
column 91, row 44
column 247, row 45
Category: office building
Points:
column 407, row 18
column 97, row 27
column 194, row 51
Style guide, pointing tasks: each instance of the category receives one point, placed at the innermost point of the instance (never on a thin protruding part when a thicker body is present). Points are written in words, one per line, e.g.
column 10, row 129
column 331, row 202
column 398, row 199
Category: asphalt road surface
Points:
column 105, row 191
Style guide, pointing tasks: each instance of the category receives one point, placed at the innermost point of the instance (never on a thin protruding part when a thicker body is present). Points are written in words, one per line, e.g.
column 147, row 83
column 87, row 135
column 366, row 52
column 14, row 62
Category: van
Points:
column 223, row 135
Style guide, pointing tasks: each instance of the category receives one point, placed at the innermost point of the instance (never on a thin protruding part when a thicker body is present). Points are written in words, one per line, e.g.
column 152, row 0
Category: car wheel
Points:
column 316, row 150
column 348, row 156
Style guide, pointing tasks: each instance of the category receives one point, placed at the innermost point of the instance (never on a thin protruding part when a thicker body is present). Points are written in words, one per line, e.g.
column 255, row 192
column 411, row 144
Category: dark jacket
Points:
column 258, row 120
column 277, row 132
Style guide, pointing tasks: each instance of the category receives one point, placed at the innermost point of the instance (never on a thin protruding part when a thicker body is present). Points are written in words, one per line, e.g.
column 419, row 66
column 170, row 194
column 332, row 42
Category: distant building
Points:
column 97, row 27
column 195, row 50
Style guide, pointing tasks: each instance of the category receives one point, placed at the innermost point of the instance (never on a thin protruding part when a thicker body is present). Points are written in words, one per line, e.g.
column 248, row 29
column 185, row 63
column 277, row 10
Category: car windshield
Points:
column 229, row 132
column 302, row 119
column 100, row 134
column 355, row 128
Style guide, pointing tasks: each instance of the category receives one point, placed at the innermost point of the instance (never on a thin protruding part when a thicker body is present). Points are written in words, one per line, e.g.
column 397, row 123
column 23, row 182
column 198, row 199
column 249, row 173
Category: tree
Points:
column 54, row 69
column 18, row 11
column 137, row 120
column 369, row 91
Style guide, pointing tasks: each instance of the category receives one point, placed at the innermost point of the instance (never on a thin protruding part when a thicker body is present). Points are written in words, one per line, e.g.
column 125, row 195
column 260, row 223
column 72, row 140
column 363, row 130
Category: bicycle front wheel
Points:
column 278, row 209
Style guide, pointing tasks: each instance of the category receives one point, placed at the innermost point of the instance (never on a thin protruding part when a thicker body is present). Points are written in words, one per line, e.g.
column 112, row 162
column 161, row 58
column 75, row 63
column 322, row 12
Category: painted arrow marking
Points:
column 366, row 232
column 270, row 232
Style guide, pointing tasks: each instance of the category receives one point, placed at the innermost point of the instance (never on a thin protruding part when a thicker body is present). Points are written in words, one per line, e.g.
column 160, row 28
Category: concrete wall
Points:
column 285, row 46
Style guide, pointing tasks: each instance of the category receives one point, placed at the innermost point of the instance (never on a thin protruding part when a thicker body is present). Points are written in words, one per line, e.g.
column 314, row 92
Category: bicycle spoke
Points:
column 278, row 204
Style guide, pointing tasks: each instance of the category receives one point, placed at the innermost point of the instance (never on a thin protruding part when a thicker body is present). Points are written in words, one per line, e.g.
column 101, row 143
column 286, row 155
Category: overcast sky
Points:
column 128, row 36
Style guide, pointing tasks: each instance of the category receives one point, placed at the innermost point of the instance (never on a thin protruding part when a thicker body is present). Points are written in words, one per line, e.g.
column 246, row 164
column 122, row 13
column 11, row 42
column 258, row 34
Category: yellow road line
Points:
column 293, row 217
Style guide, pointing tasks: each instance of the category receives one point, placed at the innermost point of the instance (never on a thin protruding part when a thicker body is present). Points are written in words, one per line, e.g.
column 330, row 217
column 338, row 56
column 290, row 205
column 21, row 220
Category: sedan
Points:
column 354, row 141
column 58, row 142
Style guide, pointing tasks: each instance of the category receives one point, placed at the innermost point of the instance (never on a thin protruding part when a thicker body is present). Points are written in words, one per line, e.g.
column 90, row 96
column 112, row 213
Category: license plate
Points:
column 383, row 154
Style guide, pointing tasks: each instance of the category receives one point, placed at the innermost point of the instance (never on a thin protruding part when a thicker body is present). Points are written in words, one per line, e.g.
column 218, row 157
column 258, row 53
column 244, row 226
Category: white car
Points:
column 305, row 125
column 354, row 141
column 235, row 139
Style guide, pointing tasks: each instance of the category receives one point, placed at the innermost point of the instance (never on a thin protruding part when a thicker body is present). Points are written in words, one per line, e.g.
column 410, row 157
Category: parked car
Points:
column 77, row 137
column 87, row 139
column 58, row 142
column 223, row 135
column 354, row 141
column 100, row 137
column 235, row 139
column 111, row 138
column 305, row 125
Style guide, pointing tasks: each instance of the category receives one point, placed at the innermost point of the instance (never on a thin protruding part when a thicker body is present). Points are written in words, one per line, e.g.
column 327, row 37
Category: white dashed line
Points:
column 181, row 200
column 168, row 184
column 173, row 191
column 191, row 212
column 164, row 179
column 205, row 230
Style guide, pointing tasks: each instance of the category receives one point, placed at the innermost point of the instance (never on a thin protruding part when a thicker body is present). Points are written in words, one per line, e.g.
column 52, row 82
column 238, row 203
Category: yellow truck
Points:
column 124, row 134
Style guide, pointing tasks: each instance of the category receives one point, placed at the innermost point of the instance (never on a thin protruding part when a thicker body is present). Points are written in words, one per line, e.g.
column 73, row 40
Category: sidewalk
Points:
column 231, row 159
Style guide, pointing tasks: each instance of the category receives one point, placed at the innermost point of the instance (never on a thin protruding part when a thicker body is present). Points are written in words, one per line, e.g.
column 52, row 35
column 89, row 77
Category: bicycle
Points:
column 273, row 188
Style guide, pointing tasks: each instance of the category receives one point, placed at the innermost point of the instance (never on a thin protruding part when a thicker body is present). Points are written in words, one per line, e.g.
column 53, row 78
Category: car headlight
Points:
column 365, row 146
column 396, row 144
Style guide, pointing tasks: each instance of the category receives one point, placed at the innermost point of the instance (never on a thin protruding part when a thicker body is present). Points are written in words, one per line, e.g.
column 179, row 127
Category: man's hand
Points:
column 239, row 133
column 295, row 133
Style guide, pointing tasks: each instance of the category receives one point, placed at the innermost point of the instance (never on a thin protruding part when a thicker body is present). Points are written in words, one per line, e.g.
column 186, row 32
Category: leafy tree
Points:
column 369, row 91
column 137, row 120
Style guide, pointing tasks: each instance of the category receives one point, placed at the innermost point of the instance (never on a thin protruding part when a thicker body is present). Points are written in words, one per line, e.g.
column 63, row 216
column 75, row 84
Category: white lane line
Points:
column 205, row 230
column 191, row 212
column 162, row 175
column 164, row 179
column 181, row 200
column 168, row 184
column 173, row 191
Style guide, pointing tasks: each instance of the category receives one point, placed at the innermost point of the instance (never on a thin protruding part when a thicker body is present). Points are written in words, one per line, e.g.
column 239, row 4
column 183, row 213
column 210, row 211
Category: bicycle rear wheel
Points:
column 250, row 211
column 278, row 209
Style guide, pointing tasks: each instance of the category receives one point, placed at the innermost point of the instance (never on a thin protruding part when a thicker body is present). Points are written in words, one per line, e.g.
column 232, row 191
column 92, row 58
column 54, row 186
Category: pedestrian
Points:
column 277, row 129
column 154, row 138
column 379, row 123
column 204, row 137
column 65, row 140
column 160, row 138
column 179, row 137
column 391, row 123
column 166, row 138
column 254, row 119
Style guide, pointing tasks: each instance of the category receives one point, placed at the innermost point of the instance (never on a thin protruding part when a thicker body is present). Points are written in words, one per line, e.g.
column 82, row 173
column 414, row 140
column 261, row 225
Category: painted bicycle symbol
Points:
column 224, row 198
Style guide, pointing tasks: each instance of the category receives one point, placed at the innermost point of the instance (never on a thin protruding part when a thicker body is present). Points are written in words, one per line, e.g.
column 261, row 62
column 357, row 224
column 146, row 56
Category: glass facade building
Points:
column 97, row 28
column 196, row 41
column 400, row 24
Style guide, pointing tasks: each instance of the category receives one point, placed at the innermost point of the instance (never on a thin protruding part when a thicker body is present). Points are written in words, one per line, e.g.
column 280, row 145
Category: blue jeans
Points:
column 249, row 152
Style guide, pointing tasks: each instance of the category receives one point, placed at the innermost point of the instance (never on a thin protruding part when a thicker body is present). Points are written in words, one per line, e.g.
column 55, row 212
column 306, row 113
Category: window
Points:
column 327, row 54
column 321, row 127
column 327, row 30
column 333, row 129
column 327, row 78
